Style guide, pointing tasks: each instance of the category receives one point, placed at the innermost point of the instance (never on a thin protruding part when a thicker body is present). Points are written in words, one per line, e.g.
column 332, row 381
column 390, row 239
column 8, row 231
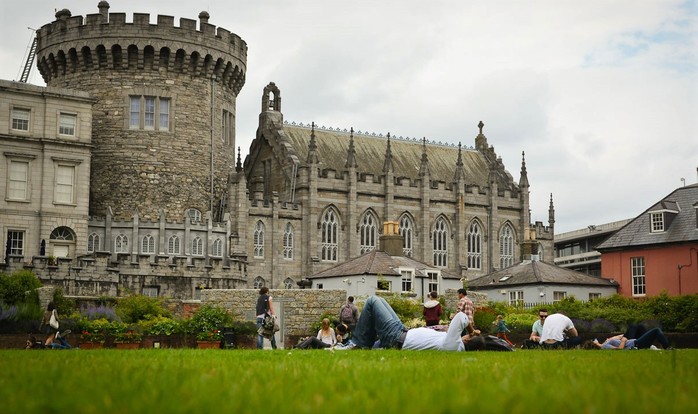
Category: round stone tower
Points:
column 164, row 122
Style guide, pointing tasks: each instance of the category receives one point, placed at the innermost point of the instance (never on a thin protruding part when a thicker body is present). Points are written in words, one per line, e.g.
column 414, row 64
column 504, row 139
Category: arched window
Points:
column 440, row 240
column 407, row 232
column 258, row 282
column 506, row 247
column 288, row 242
column 197, row 246
column 367, row 232
column 62, row 233
column 194, row 215
column 173, row 245
column 329, row 230
column 93, row 243
column 259, row 240
column 288, row 283
column 121, row 244
column 217, row 248
column 474, row 243
column 148, row 244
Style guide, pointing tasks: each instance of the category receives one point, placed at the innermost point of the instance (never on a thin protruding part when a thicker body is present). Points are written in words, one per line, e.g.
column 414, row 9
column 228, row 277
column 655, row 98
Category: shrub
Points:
column 95, row 330
column 521, row 322
column 160, row 325
column 134, row 308
column 406, row 308
column 209, row 318
column 19, row 287
column 92, row 312
column 484, row 316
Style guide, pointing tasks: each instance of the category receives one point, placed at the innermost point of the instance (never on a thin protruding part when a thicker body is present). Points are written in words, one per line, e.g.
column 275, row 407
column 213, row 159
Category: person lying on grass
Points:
column 621, row 342
column 379, row 322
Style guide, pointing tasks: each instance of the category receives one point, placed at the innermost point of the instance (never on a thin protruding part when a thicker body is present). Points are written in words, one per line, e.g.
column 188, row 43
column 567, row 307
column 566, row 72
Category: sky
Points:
column 602, row 96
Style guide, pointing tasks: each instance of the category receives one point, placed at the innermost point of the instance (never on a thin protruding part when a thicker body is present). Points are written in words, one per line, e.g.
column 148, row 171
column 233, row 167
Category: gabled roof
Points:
column 536, row 273
column 681, row 203
column 378, row 262
column 406, row 155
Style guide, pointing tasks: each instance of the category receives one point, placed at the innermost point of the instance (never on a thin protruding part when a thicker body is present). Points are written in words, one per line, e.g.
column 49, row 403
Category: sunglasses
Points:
column 543, row 316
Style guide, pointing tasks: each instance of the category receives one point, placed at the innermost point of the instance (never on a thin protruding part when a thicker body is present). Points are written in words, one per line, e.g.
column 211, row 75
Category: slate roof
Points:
column 683, row 227
column 536, row 273
column 370, row 150
column 375, row 262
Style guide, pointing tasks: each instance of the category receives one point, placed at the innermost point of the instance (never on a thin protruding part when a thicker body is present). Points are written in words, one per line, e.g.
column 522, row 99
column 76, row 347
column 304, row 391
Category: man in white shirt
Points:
column 559, row 332
column 378, row 321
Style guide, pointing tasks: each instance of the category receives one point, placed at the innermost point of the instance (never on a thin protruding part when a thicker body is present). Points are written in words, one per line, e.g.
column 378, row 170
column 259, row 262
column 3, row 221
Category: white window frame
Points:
column 288, row 242
column 18, row 179
column 67, row 124
column 657, row 222
column 559, row 295
column 16, row 240
column 150, row 113
column 197, row 246
column 151, row 291
column 194, row 215
column 227, row 127
column 21, row 119
column 330, row 236
column 506, row 247
column 516, row 297
column 64, row 189
column 433, row 281
column 594, row 296
column 638, row 276
column 406, row 230
column 474, row 245
column 217, row 248
column 258, row 240
column 93, row 241
column 121, row 243
column 148, row 244
column 258, row 282
column 367, row 233
column 406, row 280
column 174, row 245
column 440, row 243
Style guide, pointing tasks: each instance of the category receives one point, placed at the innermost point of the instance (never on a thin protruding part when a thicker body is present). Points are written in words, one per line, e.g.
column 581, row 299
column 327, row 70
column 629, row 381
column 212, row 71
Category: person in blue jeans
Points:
column 264, row 306
column 379, row 322
column 621, row 342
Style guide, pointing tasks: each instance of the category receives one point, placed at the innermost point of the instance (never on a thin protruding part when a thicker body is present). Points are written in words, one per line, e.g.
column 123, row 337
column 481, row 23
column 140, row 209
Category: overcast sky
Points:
column 601, row 95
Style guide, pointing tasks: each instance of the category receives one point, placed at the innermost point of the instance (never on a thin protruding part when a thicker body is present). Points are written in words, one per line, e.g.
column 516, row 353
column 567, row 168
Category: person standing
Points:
column 466, row 306
column 432, row 310
column 559, row 332
column 502, row 329
column 45, row 325
column 349, row 314
column 264, row 306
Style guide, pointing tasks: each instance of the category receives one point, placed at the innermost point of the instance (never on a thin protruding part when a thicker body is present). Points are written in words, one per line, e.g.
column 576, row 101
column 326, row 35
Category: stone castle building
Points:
column 171, row 210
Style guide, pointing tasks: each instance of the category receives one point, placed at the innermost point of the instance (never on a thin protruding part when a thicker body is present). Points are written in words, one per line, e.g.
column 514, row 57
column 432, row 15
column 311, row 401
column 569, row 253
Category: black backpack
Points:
column 493, row 343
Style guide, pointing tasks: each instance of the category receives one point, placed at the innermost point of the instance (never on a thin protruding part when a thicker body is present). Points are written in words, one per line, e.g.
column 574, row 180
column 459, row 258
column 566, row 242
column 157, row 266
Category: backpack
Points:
column 347, row 314
column 493, row 343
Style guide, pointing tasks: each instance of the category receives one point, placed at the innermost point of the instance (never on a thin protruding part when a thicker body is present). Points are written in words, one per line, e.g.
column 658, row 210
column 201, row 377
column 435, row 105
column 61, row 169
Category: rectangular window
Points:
column 637, row 268
column 593, row 296
column 18, row 180
column 15, row 240
column 67, row 124
column 383, row 285
column 149, row 113
column 20, row 119
column 151, row 291
column 164, row 114
column 65, row 184
column 406, row 281
column 516, row 297
column 558, row 296
column 135, row 114
column 657, row 222
column 433, row 284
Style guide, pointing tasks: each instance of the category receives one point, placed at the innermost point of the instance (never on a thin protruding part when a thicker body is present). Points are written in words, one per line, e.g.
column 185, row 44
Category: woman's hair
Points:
column 589, row 344
column 341, row 328
column 263, row 290
column 433, row 294
column 500, row 317
column 325, row 325
column 51, row 306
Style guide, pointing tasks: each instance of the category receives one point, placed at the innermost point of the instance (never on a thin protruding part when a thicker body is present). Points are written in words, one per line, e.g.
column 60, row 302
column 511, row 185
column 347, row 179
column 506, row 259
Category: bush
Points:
column 92, row 312
column 209, row 318
column 134, row 308
column 19, row 287
column 160, row 325
column 406, row 308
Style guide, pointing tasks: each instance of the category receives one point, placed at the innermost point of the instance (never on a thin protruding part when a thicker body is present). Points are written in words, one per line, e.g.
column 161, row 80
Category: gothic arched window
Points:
column 197, row 246
column 148, row 244
column 258, row 282
column 440, row 243
column 173, row 245
column 259, row 240
column 121, row 244
column 506, row 247
column 93, row 243
column 217, row 248
column 407, row 232
column 288, row 242
column 367, row 232
column 474, row 245
column 329, row 234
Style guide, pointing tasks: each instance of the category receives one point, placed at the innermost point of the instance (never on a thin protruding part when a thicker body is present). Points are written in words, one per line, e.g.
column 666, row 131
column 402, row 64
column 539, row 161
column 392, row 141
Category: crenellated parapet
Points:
column 107, row 42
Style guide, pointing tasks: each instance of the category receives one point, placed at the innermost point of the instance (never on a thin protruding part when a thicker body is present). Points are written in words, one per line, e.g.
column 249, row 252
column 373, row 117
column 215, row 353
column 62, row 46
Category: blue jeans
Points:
column 377, row 321
column 260, row 338
column 649, row 337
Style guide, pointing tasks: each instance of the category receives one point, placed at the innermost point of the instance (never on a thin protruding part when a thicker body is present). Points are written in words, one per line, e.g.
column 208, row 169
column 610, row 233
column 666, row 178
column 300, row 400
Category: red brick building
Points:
column 658, row 250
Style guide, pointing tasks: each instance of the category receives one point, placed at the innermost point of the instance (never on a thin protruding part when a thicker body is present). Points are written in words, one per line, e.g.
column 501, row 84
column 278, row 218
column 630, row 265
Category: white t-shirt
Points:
column 555, row 326
column 330, row 339
column 426, row 338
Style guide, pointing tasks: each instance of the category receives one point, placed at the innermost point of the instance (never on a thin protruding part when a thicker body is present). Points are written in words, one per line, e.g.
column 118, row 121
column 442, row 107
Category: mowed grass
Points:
column 357, row 381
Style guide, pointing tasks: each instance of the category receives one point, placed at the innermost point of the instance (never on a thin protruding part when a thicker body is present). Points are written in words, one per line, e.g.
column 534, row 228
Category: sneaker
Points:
column 66, row 333
column 654, row 348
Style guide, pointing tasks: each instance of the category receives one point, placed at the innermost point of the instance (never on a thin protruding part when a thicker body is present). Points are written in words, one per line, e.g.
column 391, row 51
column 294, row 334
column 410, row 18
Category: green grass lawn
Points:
column 357, row 381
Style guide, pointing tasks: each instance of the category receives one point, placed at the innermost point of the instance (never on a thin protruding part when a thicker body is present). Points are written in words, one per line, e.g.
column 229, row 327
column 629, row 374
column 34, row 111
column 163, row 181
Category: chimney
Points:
column 529, row 247
column 391, row 240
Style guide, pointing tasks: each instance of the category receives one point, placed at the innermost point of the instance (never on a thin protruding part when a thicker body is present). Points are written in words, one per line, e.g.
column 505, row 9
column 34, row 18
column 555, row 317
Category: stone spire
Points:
column 551, row 212
column 312, row 147
column 351, row 153
column 424, row 166
column 460, row 171
column 388, row 164
column 523, row 181
column 238, row 165
column 481, row 140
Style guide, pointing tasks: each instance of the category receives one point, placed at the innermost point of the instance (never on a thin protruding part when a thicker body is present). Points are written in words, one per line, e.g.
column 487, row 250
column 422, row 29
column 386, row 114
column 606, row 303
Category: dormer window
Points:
column 657, row 222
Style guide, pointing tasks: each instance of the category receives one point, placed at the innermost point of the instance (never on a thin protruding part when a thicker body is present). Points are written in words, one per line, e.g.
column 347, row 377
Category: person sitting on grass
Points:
column 646, row 341
column 559, row 332
column 533, row 340
column 326, row 338
column 379, row 322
